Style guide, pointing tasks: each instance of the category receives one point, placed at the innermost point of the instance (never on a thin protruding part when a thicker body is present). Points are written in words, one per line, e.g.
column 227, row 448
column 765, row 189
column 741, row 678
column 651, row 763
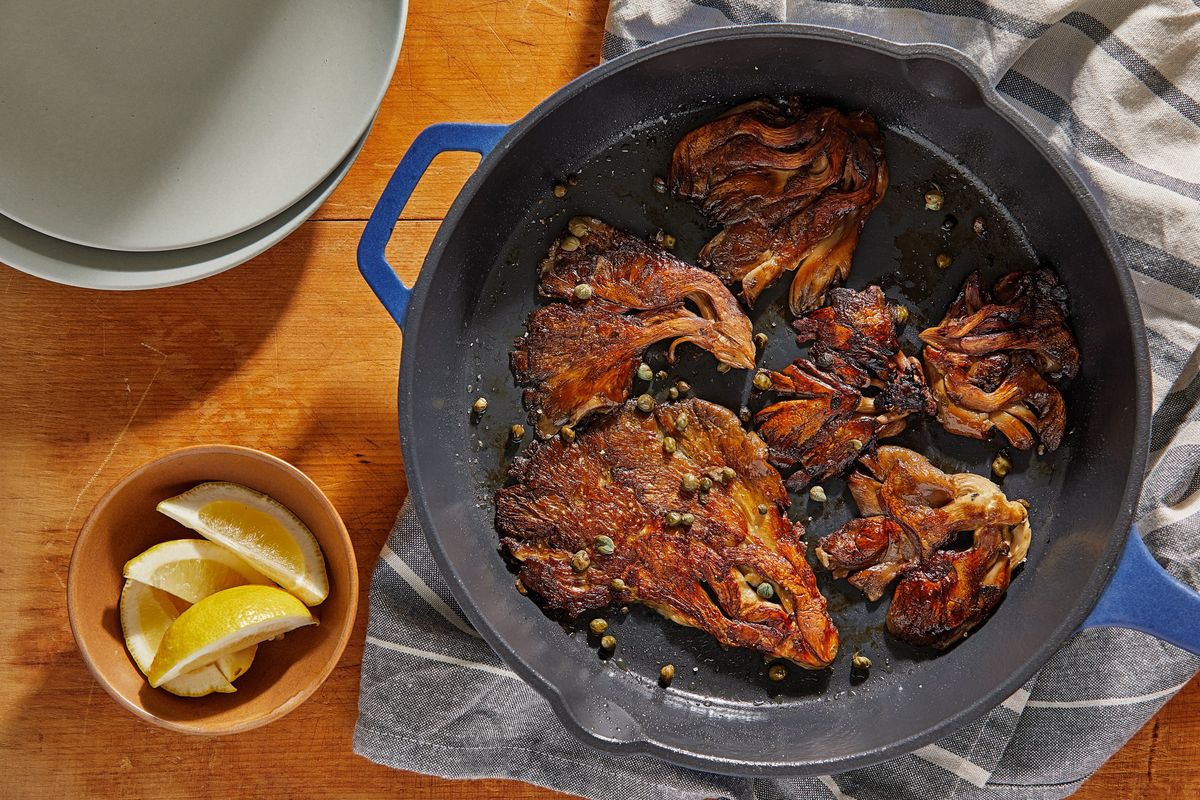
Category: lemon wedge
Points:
column 234, row 665
column 192, row 569
column 146, row 613
column 224, row 623
column 264, row 533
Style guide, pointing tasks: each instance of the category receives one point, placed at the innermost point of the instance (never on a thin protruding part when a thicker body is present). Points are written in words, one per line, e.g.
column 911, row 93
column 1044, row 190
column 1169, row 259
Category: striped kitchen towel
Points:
column 1114, row 86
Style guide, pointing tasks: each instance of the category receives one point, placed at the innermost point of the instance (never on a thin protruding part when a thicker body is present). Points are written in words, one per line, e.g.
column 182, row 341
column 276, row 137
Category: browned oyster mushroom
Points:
column 912, row 512
column 792, row 188
column 624, row 295
column 989, row 359
column 616, row 518
column 816, row 429
column 581, row 359
column 855, row 386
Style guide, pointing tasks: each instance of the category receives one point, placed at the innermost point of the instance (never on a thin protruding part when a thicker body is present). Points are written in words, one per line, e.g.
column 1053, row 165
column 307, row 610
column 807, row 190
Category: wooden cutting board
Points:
column 291, row 354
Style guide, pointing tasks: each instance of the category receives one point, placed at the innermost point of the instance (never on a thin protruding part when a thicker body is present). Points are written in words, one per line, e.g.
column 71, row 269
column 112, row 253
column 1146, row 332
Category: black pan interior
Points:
column 478, row 284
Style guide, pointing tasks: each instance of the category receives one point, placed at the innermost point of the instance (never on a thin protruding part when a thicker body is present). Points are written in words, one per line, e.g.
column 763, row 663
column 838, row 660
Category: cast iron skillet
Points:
column 614, row 128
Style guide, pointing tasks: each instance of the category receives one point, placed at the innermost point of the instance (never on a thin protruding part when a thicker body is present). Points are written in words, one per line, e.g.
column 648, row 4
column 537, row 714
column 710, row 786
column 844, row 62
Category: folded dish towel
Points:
column 1114, row 85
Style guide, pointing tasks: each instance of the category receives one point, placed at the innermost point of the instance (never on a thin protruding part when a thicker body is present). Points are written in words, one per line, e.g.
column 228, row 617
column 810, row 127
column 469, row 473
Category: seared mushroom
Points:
column 912, row 510
column 1026, row 311
column 854, row 337
column 940, row 601
column 699, row 559
column 872, row 551
column 989, row 359
column 792, row 188
column 580, row 357
column 816, row 430
column 855, row 387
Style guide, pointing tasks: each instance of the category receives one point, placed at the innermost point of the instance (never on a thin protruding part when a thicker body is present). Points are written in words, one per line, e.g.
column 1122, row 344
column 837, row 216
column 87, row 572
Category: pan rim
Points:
column 1071, row 619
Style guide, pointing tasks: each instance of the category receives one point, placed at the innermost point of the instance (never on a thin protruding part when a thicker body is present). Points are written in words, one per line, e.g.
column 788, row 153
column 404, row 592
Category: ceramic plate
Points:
column 93, row 268
column 144, row 125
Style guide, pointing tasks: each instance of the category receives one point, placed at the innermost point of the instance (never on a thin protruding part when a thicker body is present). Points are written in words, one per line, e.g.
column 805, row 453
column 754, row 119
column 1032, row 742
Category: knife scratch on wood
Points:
column 121, row 435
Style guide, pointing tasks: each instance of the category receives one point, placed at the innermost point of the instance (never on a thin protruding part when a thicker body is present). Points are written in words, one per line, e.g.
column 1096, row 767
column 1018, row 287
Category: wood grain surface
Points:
column 291, row 354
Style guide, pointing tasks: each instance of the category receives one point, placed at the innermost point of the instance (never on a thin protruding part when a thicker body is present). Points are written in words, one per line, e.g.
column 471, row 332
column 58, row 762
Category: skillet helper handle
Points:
column 1145, row 597
column 474, row 137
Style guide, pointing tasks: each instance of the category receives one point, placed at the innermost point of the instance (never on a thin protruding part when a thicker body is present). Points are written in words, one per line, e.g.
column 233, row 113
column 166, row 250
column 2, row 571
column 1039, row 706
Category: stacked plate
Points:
column 148, row 144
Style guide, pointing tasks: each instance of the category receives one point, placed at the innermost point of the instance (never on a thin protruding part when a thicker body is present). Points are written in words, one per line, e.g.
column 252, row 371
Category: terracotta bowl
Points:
column 125, row 522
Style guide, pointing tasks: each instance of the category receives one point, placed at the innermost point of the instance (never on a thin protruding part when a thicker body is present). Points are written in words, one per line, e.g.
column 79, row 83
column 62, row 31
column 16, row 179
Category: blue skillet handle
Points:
column 372, row 260
column 1144, row 596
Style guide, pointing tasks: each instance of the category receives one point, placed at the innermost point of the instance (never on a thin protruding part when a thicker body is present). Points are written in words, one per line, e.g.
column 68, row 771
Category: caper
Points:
column 762, row 381
column 762, row 508
column 609, row 642
column 817, row 494
column 1001, row 465
column 569, row 244
column 598, row 626
column 689, row 483
column 669, row 444
column 673, row 393
column 900, row 313
column 716, row 476
column 567, row 434
column 728, row 474
column 687, row 519
column 667, row 673
column 934, row 199
column 760, row 340
column 777, row 672
column 644, row 372
column 859, row 661
column 605, row 545
column 668, row 241
column 480, row 405
column 765, row 590
column 661, row 375
column 683, row 386
column 705, row 484
column 943, row 260
column 855, row 444
column 660, row 185
column 517, row 431
column 617, row 585
column 581, row 560
column 624, row 609
column 673, row 518
column 578, row 228
column 645, row 403
column 722, row 368
column 681, row 421
column 560, row 191
column 583, row 291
